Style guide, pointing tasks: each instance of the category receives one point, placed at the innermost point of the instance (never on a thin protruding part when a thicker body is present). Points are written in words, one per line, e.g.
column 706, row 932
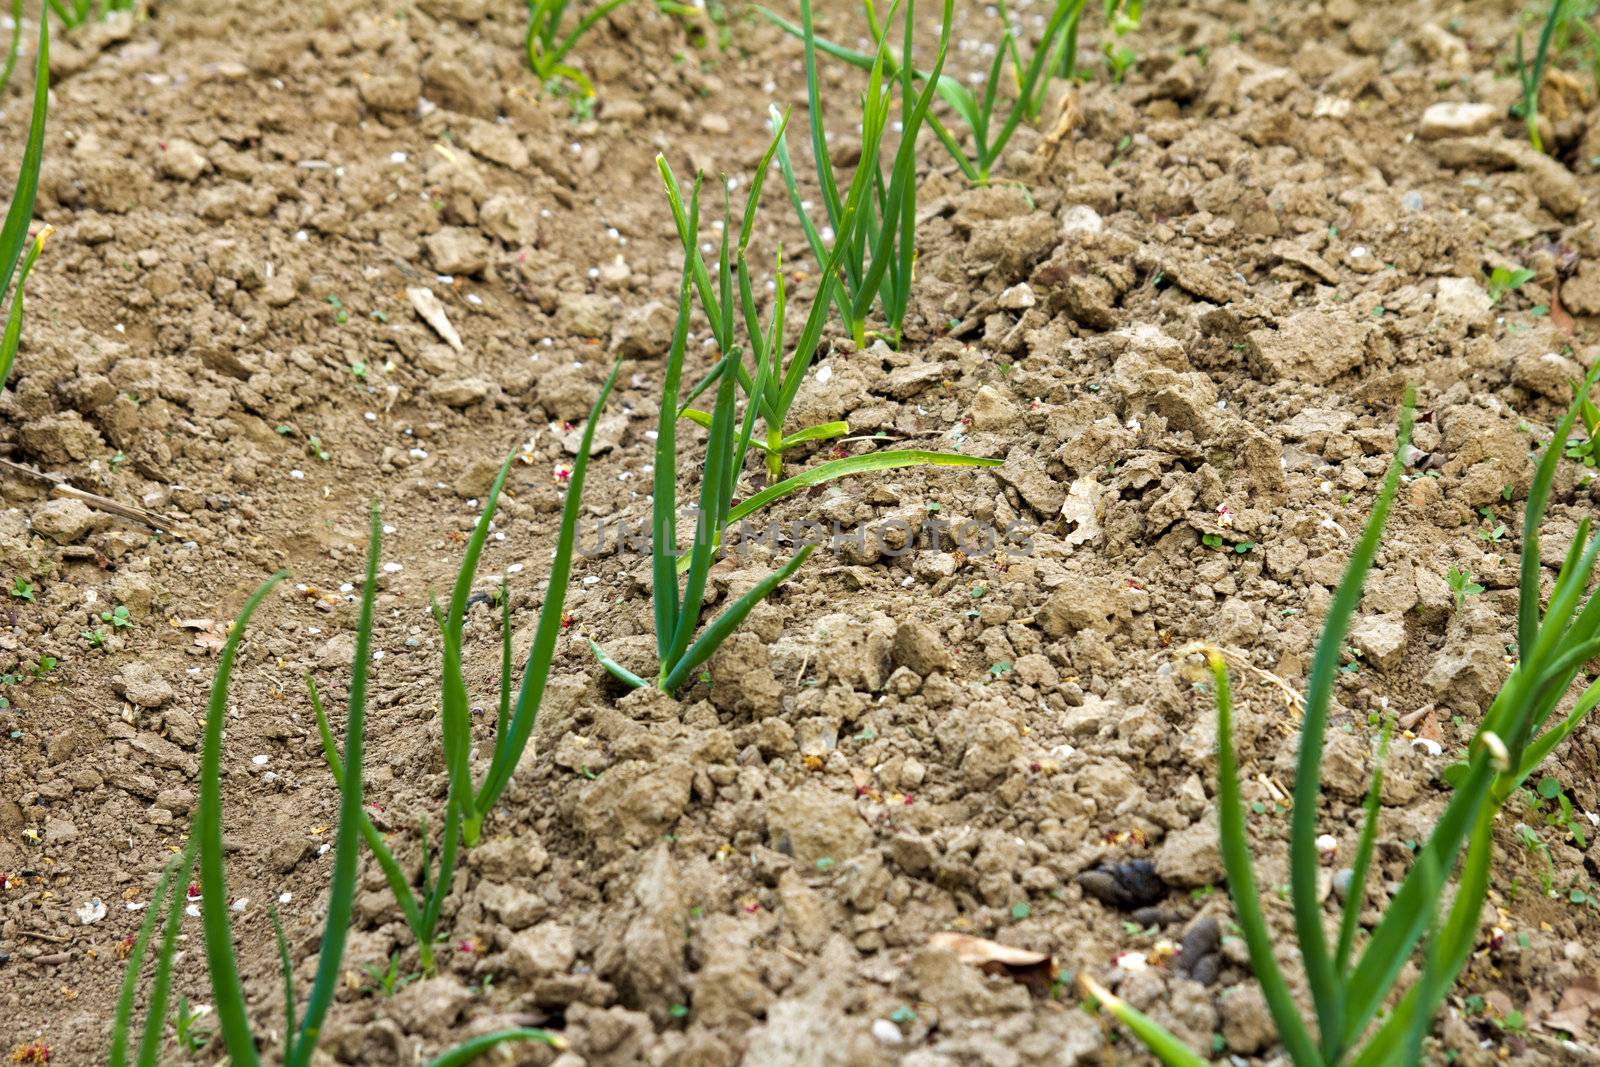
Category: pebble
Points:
column 1456, row 120
column 886, row 1032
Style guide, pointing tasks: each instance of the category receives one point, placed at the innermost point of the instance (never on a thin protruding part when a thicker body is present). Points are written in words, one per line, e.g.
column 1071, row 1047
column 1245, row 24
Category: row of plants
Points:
column 757, row 373
column 864, row 244
column 1363, row 1015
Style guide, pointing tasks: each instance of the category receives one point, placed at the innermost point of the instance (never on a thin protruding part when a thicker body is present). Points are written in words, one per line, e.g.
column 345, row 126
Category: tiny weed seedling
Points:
column 387, row 979
column 1549, row 789
column 1029, row 81
column 191, row 1037
column 1503, row 280
column 547, row 49
column 206, row 849
column 1519, row 731
column 1529, row 837
column 1462, row 585
column 1531, row 73
column 1585, row 451
column 22, row 589
column 117, row 618
column 14, row 231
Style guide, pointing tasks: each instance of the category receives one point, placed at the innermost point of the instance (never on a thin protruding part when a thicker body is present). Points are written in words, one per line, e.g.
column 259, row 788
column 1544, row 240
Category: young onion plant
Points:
column 776, row 381
column 1027, row 82
column 1531, row 74
column 879, row 243
column 677, row 610
column 1350, row 982
column 300, row 1039
column 14, row 48
column 17, row 253
column 467, row 804
column 74, row 13
column 547, row 49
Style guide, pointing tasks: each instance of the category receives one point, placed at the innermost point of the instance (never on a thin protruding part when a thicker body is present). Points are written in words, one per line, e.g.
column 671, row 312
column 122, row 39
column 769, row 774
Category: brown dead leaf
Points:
column 1578, row 1004
column 1020, row 964
column 1429, row 729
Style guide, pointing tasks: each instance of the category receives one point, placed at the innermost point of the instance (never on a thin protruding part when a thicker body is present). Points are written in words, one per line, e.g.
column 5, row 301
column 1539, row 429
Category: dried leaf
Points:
column 432, row 312
column 1577, row 1006
column 991, row 957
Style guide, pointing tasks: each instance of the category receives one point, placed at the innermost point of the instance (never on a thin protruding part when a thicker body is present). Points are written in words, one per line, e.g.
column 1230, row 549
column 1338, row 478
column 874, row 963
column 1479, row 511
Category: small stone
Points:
column 1549, row 374
column 1461, row 304
column 1191, row 857
column 1452, row 119
column 644, row 331
column 496, row 143
column 992, row 411
column 455, row 250
column 547, row 949
column 1081, row 220
column 1381, row 639
column 461, row 392
column 181, row 160
column 1341, row 881
column 64, row 520
column 917, row 646
column 1018, row 298
column 143, row 686
column 887, row 1032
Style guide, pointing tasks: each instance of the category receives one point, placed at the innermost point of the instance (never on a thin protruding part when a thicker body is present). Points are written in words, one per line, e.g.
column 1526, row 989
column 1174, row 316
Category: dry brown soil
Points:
column 1196, row 316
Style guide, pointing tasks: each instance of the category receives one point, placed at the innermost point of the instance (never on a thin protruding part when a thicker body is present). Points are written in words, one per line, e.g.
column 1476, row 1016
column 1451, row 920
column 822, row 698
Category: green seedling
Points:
column 22, row 589
column 1585, row 451
column 466, row 804
column 118, row 618
column 776, row 381
column 1529, row 837
column 1123, row 17
column 677, row 611
column 205, row 847
column 1462, row 585
column 1503, row 280
column 14, row 48
column 95, row 638
column 547, row 49
column 388, row 980
column 191, row 1037
column 1028, row 82
column 1515, row 736
column 1531, row 74
column 74, row 13
column 14, row 231
column 879, row 242
column 1549, row 788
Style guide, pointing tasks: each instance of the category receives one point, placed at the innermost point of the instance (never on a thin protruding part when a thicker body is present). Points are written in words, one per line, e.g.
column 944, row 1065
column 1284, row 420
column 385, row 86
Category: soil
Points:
column 1190, row 323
